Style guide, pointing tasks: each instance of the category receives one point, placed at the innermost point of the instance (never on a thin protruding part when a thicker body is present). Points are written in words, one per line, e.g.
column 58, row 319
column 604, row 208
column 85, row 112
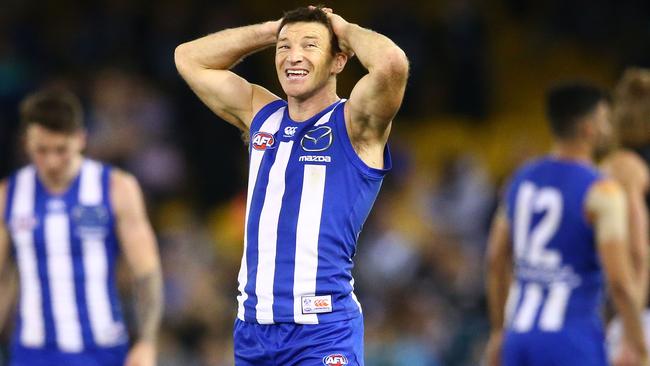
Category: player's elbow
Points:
column 182, row 58
column 394, row 64
column 621, row 289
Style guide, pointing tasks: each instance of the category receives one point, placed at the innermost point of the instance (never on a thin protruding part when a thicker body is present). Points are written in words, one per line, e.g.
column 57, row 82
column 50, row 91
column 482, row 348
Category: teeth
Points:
column 296, row 72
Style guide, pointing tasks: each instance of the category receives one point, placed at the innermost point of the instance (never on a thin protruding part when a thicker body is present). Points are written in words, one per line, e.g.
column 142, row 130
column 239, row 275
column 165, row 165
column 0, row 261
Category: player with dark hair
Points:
column 561, row 235
column 65, row 219
column 316, row 165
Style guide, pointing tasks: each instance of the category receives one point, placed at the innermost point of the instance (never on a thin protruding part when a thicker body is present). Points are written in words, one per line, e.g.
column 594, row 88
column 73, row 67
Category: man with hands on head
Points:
column 316, row 165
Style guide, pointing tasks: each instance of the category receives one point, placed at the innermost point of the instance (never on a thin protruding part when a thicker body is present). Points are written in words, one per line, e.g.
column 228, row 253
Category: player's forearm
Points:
column 224, row 49
column 626, row 306
column 497, row 294
column 148, row 305
column 376, row 52
column 638, row 219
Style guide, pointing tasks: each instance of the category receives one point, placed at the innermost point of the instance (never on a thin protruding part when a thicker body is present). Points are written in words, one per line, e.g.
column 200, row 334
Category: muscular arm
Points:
column 377, row 96
column 139, row 247
column 631, row 173
column 606, row 206
column 499, row 274
column 205, row 62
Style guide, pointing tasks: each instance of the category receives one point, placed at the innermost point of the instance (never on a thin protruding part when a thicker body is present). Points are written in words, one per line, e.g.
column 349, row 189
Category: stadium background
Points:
column 472, row 112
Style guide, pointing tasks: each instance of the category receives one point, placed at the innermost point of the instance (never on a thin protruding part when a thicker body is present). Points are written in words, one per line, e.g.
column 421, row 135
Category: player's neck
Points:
column 575, row 151
column 58, row 185
column 303, row 109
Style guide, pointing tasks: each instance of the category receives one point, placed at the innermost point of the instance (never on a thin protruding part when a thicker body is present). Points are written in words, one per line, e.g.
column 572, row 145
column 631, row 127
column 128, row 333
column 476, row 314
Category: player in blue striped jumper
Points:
column 316, row 165
column 66, row 219
column 562, row 236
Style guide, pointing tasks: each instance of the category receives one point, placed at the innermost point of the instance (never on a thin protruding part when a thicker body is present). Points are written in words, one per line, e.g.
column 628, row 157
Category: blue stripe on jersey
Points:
column 253, row 240
column 112, row 248
column 76, row 254
column 41, row 255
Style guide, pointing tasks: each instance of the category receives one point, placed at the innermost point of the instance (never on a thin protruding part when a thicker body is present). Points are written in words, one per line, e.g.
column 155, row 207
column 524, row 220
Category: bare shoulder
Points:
column 627, row 168
column 603, row 194
column 124, row 189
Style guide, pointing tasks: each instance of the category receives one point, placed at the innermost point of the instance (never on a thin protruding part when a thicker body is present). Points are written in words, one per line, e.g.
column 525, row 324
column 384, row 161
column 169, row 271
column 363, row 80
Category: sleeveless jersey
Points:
column 65, row 248
column 558, row 278
column 308, row 196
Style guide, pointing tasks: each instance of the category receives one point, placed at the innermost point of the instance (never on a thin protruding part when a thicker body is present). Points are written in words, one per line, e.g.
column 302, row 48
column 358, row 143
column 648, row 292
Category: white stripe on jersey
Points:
column 96, row 264
column 268, row 234
column 62, row 285
column 525, row 317
column 271, row 125
column 511, row 302
column 326, row 117
column 354, row 296
column 307, row 232
column 32, row 333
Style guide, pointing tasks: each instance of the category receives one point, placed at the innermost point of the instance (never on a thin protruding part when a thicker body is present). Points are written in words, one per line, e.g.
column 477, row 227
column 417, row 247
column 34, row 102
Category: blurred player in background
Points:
column 65, row 220
column 629, row 165
column 316, row 165
column 562, row 232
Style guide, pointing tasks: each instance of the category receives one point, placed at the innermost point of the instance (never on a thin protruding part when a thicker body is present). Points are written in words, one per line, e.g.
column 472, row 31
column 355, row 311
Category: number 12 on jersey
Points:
column 531, row 252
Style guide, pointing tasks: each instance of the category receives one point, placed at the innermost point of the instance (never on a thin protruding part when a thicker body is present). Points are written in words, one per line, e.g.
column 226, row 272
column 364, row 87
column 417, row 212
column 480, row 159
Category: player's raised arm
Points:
column 499, row 272
column 205, row 62
column 377, row 96
column 139, row 246
column 632, row 174
column 607, row 209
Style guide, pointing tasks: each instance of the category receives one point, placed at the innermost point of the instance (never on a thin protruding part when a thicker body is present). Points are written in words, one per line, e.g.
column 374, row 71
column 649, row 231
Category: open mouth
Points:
column 296, row 74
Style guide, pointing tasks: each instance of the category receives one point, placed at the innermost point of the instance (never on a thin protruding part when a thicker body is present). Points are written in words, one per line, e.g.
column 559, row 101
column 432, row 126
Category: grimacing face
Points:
column 53, row 153
column 303, row 59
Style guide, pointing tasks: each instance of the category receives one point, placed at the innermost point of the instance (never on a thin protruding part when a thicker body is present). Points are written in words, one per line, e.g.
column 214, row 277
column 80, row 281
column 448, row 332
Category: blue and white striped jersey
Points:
column 558, row 278
column 309, row 194
column 65, row 248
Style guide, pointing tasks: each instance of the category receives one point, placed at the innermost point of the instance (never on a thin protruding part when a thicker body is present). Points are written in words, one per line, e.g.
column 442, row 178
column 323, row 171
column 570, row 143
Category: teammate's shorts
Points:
column 113, row 356
column 565, row 348
column 286, row 344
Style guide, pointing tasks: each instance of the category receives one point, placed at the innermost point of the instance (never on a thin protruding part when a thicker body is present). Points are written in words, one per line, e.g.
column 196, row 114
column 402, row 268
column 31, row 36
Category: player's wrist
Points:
column 268, row 31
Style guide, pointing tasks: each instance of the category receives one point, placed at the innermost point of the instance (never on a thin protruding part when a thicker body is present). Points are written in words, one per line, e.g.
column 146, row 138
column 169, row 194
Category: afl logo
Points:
column 335, row 360
column 263, row 141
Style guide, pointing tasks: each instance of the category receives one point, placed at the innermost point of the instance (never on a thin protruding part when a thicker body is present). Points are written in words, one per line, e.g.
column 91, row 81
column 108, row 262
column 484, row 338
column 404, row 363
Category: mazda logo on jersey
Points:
column 262, row 141
column 335, row 360
column 318, row 139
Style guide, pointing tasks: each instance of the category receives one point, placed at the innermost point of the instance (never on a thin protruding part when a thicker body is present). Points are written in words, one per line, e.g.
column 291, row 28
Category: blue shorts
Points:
column 113, row 356
column 287, row 344
column 566, row 348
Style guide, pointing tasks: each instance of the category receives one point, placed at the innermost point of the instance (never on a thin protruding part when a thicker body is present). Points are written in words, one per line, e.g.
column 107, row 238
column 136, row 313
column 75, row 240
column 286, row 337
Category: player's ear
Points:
column 340, row 59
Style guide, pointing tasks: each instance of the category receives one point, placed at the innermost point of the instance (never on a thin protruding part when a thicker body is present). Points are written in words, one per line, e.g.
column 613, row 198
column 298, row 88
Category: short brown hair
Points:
column 57, row 110
column 631, row 113
column 314, row 14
